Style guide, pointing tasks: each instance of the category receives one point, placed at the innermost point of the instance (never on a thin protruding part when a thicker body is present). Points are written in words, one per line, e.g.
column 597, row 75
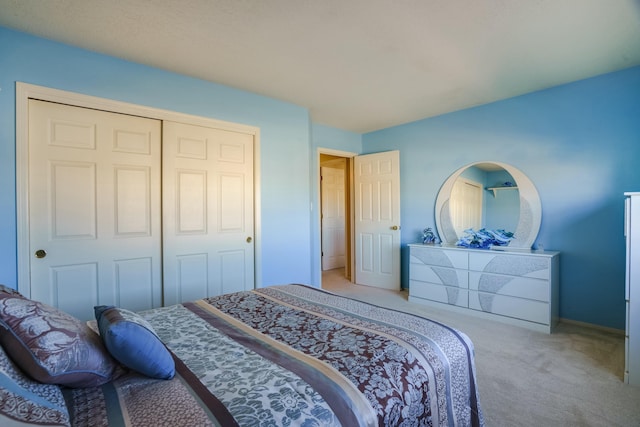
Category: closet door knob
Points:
column 249, row 239
column 41, row 253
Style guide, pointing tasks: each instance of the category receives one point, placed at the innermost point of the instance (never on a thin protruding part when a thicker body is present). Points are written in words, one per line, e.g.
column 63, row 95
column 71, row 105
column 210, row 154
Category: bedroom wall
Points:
column 284, row 139
column 580, row 145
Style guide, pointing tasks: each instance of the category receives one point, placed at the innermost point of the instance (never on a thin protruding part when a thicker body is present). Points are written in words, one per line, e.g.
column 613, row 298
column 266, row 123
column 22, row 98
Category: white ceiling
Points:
column 358, row 65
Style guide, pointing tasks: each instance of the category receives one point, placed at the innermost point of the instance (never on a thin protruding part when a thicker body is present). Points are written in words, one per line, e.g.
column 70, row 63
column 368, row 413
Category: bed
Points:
column 288, row 355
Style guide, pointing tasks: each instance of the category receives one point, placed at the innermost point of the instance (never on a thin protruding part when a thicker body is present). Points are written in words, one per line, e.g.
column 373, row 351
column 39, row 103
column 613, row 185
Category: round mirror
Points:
column 489, row 195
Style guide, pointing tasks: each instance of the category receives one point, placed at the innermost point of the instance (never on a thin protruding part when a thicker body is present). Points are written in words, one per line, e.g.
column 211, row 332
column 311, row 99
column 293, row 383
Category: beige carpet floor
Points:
column 572, row 377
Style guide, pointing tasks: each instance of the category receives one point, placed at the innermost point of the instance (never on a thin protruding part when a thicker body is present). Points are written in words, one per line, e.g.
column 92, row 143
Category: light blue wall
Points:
column 284, row 143
column 580, row 145
column 502, row 210
column 328, row 138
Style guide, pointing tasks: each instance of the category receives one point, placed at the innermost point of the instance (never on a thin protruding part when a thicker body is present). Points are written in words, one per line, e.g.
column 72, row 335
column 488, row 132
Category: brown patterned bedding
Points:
column 283, row 356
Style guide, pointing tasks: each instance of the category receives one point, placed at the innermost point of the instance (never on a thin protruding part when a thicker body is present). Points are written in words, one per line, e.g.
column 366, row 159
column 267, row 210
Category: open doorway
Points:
column 335, row 220
column 372, row 217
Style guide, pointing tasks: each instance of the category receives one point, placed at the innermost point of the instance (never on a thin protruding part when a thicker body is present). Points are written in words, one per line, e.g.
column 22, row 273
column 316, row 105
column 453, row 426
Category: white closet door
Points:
column 94, row 208
column 207, row 212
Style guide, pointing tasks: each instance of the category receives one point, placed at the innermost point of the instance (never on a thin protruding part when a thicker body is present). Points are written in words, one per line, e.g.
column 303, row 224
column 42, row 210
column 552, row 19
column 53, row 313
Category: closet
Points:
column 135, row 212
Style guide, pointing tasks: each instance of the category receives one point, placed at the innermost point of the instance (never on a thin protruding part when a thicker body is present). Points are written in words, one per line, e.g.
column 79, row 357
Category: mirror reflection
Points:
column 485, row 195
column 490, row 195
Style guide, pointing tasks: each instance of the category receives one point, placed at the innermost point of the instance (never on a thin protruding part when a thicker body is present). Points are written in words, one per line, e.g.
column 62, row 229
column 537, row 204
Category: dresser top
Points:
column 497, row 249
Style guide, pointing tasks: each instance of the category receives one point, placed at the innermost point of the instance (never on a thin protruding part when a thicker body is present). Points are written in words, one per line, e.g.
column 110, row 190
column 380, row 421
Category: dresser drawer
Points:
column 518, row 287
column 517, row 308
column 439, row 275
column 439, row 257
column 444, row 294
column 514, row 265
column 522, row 287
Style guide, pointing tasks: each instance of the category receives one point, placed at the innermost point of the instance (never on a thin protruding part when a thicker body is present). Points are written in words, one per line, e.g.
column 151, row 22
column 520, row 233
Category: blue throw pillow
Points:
column 132, row 341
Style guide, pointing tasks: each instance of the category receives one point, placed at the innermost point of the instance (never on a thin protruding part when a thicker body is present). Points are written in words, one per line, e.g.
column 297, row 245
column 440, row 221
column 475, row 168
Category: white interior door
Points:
column 94, row 208
column 377, row 219
column 333, row 217
column 465, row 205
column 207, row 196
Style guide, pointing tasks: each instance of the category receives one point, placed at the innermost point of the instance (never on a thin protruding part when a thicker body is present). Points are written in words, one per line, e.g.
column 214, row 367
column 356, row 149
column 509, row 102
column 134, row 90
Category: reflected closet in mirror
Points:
column 490, row 195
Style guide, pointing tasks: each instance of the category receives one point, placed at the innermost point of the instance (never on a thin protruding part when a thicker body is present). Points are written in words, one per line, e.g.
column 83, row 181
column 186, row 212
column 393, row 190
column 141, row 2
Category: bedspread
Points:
column 293, row 355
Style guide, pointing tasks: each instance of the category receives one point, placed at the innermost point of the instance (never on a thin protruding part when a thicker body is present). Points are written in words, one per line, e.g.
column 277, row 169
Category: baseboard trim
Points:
column 593, row 326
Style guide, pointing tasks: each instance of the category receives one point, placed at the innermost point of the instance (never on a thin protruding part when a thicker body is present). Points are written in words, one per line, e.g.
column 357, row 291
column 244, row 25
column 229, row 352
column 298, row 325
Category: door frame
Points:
column 350, row 191
column 25, row 91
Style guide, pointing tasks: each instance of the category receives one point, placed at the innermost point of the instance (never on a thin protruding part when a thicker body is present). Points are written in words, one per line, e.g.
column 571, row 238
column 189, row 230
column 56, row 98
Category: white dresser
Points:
column 632, row 288
column 519, row 287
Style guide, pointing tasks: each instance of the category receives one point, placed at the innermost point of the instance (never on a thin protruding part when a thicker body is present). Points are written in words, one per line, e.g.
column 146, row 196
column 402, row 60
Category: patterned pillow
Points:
column 132, row 341
column 52, row 346
column 28, row 401
column 8, row 290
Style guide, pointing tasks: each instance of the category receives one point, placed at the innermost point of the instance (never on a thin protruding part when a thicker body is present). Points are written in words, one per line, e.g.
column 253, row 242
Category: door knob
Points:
column 249, row 239
column 41, row 253
column 395, row 227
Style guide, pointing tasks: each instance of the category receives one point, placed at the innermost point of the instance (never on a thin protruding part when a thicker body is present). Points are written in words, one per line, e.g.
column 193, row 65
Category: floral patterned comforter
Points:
column 293, row 355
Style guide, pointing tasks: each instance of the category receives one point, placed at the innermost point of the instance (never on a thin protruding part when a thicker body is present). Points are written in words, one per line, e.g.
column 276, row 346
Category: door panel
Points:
column 72, row 185
column 73, row 288
column 192, row 277
column 377, row 219
column 191, row 198
column 131, row 198
column 233, row 271
column 134, row 282
column 94, row 208
column 333, row 217
column 208, row 212
column 466, row 205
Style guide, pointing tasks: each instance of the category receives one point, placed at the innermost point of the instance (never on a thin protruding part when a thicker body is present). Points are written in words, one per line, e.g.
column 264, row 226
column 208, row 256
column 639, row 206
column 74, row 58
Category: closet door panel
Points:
column 192, row 272
column 191, row 201
column 134, row 282
column 94, row 208
column 207, row 210
column 132, row 201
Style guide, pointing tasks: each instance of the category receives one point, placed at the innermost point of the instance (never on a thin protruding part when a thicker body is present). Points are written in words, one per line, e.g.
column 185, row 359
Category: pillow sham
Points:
column 23, row 400
column 8, row 290
column 132, row 341
column 52, row 346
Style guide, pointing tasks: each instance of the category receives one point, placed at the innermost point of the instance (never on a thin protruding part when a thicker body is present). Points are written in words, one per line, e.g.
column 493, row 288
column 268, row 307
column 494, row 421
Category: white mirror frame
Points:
column 530, row 209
